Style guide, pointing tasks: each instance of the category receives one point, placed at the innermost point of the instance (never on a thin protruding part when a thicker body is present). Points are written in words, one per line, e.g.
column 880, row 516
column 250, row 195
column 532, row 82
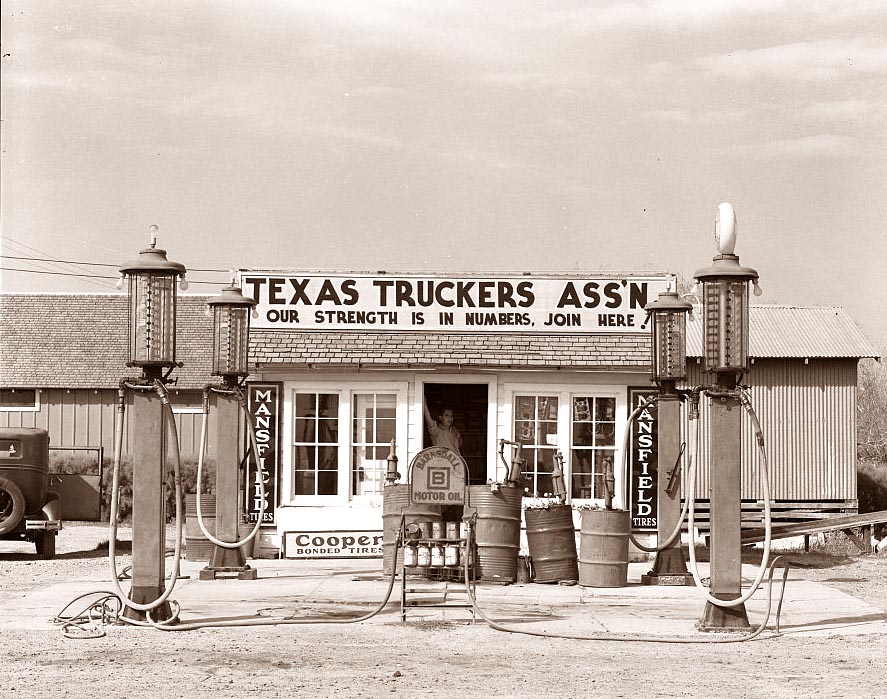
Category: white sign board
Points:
column 332, row 544
column 293, row 301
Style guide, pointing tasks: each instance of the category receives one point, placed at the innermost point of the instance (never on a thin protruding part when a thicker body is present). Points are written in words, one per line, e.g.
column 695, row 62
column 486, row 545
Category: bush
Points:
column 188, row 472
column 872, row 491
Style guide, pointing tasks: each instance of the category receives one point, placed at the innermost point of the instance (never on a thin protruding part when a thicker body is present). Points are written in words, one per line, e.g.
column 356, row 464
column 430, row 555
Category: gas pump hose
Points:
column 200, row 456
column 765, row 491
column 651, row 638
column 101, row 609
column 112, row 531
column 235, row 623
column 767, row 567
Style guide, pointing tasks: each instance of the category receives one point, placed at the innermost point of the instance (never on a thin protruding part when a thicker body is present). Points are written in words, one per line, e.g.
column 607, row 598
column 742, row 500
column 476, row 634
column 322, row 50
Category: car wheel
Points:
column 12, row 505
column 46, row 545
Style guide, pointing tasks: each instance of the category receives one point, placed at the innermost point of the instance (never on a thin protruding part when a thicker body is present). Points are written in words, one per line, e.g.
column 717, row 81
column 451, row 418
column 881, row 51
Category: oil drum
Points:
column 603, row 548
column 497, row 531
column 551, row 540
column 396, row 498
column 197, row 546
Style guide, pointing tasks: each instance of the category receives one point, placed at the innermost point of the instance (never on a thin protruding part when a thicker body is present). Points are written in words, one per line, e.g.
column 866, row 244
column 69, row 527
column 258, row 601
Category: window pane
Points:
column 306, row 404
column 385, row 431
column 582, row 470
column 305, row 482
column 327, row 482
column 327, row 431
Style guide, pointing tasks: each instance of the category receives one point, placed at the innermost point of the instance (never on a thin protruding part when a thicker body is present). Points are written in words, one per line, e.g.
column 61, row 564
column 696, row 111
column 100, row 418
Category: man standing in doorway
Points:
column 442, row 432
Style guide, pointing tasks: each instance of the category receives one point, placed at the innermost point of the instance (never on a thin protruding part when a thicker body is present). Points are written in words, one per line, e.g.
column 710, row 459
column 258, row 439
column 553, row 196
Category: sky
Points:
column 449, row 137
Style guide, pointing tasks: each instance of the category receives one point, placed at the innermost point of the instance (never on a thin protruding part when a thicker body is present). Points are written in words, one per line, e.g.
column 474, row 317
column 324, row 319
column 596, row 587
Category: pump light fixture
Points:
column 725, row 303
column 669, row 345
column 152, row 308
column 231, row 314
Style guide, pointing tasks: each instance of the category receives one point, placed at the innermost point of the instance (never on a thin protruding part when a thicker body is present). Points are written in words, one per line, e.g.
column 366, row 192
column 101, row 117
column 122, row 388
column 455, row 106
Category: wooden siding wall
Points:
column 87, row 417
column 808, row 416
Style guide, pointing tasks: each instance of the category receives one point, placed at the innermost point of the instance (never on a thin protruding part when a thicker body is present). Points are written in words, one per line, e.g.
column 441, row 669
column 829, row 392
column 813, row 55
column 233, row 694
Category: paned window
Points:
column 593, row 448
column 535, row 429
column 19, row 399
column 316, row 444
column 373, row 429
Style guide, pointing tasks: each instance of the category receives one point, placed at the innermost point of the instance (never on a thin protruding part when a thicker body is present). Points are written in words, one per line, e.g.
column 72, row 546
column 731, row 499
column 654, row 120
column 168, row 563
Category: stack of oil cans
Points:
column 436, row 545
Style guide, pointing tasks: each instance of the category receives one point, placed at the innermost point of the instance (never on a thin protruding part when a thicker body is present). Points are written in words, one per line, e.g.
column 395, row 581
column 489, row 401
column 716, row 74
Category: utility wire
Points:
column 55, row 265
column 98, row 264
column 88, row 276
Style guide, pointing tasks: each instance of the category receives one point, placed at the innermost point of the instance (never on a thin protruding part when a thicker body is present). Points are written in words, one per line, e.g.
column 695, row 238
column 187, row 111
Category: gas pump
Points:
column 152, row 316
column 668, row 318
column 725, row 350
column 231, row 313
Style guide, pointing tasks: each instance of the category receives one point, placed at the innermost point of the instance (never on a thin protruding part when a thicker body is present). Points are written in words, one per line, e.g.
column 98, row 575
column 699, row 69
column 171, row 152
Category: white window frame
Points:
column 401, row 415
column 180, row 410
column 23, row 408
column 345, row 444
column 565, row 394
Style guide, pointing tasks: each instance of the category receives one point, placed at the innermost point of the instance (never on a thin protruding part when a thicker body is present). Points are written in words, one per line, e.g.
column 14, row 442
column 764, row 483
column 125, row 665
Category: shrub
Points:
column 188, row 473
column 872, row 491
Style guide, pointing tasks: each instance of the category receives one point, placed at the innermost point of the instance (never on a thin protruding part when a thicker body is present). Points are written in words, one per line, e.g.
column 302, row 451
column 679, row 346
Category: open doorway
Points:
column 469, row 403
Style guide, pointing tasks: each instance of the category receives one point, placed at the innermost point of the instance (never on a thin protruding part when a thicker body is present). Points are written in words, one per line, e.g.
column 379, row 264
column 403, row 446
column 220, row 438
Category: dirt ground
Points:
column 430, row 659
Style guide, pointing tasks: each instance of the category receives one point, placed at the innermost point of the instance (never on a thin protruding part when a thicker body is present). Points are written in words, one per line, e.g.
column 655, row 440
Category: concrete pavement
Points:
column 336, row 589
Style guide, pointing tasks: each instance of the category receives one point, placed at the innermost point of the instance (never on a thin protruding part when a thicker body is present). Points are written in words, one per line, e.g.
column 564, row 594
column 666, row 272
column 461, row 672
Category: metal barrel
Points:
column 396, row 498
column 497, row 531
column 197, row 546
column 551, row 540
column 603, row 548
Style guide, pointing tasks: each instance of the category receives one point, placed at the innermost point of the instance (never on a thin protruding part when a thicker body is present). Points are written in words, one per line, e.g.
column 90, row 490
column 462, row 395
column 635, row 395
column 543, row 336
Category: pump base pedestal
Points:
column 227, row 562
column 669, row 568
column 242, row 573
column 145, row 594
column 676, row 580
column 716, row 618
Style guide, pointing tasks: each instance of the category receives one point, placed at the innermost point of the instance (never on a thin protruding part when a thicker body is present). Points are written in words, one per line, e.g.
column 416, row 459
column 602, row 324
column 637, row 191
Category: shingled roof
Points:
column 79, row 341
column 476, row 350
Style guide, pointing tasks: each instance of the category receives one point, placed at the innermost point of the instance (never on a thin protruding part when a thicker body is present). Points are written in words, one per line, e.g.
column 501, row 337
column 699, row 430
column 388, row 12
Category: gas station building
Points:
column 343, row 363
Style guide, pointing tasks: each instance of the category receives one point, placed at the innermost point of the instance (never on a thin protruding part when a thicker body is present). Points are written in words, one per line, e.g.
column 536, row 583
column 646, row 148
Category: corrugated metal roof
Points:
column 794, row 331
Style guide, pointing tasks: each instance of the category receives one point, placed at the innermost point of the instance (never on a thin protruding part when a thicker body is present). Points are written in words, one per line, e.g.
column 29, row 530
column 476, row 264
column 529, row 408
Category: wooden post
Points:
column 726, row 545
column 149, row 443
column 228, row 428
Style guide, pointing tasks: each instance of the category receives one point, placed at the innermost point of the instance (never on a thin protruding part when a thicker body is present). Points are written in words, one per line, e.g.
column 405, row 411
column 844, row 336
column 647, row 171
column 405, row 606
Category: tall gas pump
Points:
column 668, row 317
column 725, row 350
column 231, row 314
column 152, row 346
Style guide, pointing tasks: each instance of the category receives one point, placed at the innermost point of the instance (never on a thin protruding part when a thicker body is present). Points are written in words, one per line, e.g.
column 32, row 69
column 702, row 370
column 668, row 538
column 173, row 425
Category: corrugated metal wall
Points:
column 86, row 418
column 808, row 415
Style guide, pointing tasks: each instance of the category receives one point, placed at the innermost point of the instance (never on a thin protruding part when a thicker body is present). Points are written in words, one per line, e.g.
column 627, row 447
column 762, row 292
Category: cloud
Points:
column 847, row 111
column 808, row 61
column 814, row 146
column 658, row 13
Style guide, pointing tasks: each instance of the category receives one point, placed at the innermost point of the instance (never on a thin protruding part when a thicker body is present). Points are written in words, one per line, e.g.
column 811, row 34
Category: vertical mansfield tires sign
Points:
column 264, row 408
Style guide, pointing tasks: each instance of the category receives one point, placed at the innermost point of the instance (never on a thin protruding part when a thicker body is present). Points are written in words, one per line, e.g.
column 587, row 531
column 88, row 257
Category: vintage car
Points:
column 29, row 510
